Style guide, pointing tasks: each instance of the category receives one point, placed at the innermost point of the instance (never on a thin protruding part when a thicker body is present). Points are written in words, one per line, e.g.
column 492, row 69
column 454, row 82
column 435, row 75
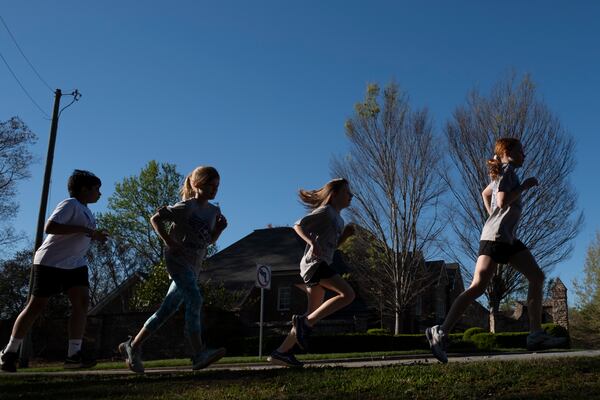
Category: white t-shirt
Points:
column 67, row 251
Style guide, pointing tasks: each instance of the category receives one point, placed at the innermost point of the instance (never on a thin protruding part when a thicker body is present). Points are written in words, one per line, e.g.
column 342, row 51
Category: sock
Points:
column 13, row 345
column 74, row 347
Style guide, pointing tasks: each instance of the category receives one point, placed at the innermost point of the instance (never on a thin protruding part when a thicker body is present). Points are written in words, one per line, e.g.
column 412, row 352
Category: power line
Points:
column 23, row 88
column 23, row 54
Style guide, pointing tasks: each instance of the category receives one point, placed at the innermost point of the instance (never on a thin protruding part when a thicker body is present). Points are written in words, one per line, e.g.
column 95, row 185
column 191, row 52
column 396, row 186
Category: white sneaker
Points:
column 133, row 358
column 437, row 342
column 541, row 341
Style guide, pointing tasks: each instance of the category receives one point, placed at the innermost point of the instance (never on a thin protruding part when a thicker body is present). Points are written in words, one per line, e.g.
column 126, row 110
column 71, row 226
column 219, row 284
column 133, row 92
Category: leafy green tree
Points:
column 133, row 202
column 148, row 294
column 585, row 319
column 135, row 245
column 14, row 284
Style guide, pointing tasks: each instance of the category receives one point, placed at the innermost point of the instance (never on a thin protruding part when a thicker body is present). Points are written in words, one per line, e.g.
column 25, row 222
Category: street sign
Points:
column 263, row 276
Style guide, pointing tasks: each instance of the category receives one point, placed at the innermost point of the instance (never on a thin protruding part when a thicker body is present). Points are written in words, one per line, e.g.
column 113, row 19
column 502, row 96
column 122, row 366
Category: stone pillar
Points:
column 560, row 308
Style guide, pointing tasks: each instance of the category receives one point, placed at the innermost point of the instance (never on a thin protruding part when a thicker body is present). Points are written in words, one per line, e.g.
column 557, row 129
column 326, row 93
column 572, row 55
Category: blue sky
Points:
column 261, row 89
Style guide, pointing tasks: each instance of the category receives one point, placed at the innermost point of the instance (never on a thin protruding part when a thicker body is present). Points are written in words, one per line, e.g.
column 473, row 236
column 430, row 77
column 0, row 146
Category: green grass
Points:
column 183, row 362
column 572, row 378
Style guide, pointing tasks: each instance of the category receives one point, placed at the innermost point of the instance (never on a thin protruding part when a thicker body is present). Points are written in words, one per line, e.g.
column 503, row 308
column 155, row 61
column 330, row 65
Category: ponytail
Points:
column 503, row 146
column 198, row 176
column 187, row 191
column 319, row 197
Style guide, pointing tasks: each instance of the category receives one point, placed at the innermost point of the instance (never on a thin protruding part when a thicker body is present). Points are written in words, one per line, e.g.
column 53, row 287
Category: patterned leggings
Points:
column 184, row 289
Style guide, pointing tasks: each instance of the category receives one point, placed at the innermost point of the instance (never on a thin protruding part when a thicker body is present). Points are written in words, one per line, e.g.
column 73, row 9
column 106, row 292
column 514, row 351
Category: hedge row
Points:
column 474, row 339
column 509, row 340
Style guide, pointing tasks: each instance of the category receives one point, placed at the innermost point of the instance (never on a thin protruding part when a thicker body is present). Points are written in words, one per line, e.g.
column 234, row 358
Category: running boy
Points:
column 59, row 266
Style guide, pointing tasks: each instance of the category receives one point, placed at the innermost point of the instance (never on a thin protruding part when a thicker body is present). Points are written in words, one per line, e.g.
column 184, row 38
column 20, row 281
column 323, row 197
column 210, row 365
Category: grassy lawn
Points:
column 566, row 378
column 184, row 362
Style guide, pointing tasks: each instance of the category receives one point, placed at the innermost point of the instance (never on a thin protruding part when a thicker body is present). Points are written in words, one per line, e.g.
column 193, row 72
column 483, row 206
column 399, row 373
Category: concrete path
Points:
column 346, row 363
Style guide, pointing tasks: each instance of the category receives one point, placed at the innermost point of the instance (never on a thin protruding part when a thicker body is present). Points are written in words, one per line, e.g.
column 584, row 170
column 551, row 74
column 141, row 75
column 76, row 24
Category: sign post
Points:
column 263, row 281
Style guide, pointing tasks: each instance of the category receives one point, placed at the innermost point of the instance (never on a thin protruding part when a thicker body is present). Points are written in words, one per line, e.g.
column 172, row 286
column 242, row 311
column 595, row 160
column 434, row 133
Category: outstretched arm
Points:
column 54, row 228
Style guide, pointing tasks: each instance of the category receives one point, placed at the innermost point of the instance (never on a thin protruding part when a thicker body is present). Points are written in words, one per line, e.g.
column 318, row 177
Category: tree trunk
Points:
column 494, row 297
column 397, row 315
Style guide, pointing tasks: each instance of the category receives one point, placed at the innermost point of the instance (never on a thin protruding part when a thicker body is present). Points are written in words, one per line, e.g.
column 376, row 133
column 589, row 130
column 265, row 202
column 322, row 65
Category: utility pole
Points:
column 39, row 234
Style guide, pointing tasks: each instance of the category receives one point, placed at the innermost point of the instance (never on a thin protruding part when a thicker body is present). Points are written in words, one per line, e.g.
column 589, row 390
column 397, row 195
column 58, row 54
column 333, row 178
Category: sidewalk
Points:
column 367, row 362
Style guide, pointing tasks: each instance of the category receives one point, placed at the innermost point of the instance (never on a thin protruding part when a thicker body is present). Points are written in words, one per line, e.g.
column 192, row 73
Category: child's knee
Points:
column 476, row 290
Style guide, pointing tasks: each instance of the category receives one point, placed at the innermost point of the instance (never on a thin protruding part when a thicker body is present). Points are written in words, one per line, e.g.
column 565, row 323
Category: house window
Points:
column 284, row 296
column 440, row 309
column 419, row 306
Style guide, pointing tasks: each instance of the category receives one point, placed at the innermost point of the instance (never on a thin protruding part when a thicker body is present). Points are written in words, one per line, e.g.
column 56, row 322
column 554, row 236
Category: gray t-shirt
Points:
column 325, row 225
column 192, row 226
column 501, row 225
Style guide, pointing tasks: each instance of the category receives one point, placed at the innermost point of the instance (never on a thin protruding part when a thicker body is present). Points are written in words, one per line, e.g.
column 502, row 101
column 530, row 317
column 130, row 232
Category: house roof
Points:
column 280, row 248
column 126, row 284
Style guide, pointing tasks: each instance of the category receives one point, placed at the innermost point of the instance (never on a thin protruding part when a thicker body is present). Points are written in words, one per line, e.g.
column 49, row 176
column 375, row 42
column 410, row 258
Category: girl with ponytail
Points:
column 323, row 231
column 499, row 245
column 187, row 229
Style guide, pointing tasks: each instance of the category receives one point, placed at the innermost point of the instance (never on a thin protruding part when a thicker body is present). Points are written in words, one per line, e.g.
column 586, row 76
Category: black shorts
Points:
column 50, row 281
column 323, row 271
column 499, row 251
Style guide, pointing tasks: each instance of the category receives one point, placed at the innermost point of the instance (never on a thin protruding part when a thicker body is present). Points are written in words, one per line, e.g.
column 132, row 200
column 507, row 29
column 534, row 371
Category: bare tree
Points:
column 15, row 159
column 392, row 172
column 109, row 265
column 550, row 219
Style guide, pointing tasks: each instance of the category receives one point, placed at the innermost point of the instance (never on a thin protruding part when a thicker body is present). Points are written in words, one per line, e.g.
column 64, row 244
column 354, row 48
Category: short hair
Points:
column 79, row 179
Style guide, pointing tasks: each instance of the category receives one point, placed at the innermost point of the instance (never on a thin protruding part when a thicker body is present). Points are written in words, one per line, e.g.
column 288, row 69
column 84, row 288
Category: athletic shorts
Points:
column 50, row 281
column 499, row 251
column 323, row 271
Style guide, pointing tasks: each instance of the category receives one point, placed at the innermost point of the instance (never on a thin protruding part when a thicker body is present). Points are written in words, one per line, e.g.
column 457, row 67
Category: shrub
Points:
column 467, row 336
column 484, row 341
column 555, row 330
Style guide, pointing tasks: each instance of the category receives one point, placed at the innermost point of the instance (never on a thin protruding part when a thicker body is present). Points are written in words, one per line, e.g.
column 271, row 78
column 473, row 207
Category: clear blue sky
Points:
column 261, row 89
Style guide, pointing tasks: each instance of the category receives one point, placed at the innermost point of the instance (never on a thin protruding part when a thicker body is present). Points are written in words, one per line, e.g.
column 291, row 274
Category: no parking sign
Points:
column 263, row 276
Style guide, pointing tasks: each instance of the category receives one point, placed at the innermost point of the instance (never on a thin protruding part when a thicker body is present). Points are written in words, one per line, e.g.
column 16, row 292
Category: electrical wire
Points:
column 76, row 96
column 23, row 87
column 23, row 54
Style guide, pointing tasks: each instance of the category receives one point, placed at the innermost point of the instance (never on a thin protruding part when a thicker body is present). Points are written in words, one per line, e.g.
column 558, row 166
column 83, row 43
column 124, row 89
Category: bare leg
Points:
column 140, row 338
column 315, row 294
column 28, row 316
column 345, row 295
column 484, row 271
column 79, row 298
column 524, row 262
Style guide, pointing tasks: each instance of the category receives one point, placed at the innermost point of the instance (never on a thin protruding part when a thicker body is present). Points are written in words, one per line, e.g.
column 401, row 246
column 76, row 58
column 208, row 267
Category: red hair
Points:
column 503, row 146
